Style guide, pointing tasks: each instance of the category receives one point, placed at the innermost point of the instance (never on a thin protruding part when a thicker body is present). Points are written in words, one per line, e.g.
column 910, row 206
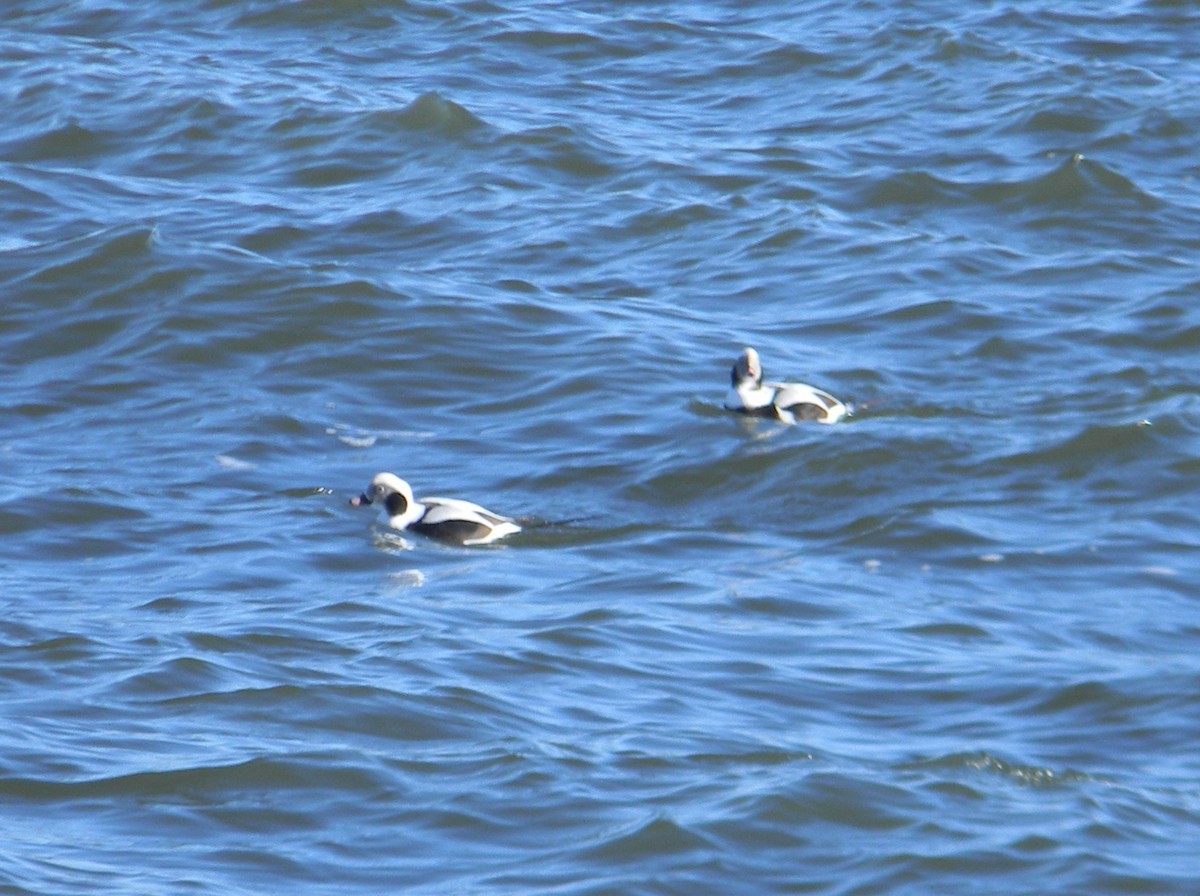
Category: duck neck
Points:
column 402, row 512
column 754, row 395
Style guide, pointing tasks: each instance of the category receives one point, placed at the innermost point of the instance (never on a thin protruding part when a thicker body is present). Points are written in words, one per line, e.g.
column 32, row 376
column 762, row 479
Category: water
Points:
column 254, row 253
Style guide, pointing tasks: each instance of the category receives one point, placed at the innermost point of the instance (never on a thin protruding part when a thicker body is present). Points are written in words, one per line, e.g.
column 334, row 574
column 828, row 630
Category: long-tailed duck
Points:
column 789, row 402
column 447, row 519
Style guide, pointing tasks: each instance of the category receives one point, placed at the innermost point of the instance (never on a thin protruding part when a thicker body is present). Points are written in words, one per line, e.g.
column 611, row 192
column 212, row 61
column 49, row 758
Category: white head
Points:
column 747, row 370
column 748, row 394
column 395, row 496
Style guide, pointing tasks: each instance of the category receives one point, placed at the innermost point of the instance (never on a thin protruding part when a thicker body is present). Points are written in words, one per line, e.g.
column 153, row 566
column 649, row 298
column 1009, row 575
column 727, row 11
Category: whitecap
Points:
column 409, row 578
column 232, row 463
column 1165, row 572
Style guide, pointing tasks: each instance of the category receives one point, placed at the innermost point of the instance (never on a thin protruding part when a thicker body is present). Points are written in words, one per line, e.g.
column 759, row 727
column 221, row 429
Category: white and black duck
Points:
column 447, row 519
column 788, row 402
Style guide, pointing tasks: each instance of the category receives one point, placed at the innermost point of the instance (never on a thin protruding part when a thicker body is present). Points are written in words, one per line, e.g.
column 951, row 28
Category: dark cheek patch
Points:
column 395, row 504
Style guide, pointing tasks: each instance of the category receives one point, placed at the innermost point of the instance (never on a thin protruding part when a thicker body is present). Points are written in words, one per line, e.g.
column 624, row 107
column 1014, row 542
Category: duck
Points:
column 787, row 402
column 446, row 519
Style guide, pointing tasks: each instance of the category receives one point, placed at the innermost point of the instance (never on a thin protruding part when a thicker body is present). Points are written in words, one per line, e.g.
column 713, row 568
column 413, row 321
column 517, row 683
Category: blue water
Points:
column 253, row 253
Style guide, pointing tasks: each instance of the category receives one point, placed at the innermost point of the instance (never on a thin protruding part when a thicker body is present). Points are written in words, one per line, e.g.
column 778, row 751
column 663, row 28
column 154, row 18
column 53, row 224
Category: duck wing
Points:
column 804, row 402
column 452, row 519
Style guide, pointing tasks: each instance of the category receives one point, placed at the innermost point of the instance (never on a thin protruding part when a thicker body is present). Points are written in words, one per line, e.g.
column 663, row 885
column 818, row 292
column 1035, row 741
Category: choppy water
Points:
column 254, row 252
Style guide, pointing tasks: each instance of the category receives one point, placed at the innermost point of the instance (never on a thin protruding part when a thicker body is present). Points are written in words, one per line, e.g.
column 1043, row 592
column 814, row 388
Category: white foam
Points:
column 232, row 463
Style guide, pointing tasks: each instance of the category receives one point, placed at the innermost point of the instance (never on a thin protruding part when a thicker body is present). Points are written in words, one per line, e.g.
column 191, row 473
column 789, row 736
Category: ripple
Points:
column 563, row 150
column 431, row 112
column 654, row 839
column 1020, row 773
column 1096, row 449
column 255, row 257
column 253, row 775
column 1075, row 182
column 953, row 630
column 310, row 13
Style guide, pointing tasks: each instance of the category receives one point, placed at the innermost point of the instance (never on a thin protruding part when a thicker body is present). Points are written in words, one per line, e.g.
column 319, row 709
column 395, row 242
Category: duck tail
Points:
column 537, row 522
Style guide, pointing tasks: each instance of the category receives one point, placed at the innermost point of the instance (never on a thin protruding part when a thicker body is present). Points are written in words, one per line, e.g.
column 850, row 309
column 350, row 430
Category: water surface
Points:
column 253, row 253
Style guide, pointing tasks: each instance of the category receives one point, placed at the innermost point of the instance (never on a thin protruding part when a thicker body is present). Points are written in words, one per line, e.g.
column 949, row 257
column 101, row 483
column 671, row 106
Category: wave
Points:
column 255, row 775
column 1076, row 182
column 430, row 112
column 1018, row 772
column 363, row 15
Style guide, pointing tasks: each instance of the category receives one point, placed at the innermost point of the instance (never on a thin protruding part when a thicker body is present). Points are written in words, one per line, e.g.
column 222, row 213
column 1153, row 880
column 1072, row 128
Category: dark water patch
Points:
column 79, row 506
column 1001, row 348
column 77, row 260
column 392, row 234
column 660, row 222
column 910, row 532
column 560, row 150
column 1171, row 335
column 955, row 631
column 430, row 112
column 169, row 606
column 1036, row 843
column 42, row 661
column 202, row 119
column 305, row 127
column 565, row 45
column 914, row 188
column 356, row 15
column 596, row 528
column 650, row 841
column 18, row 521
column 1087, row 696
column 361, row 712
column 274, row 238
column 1076, row 183
column 31, row 215
column 282, row 646
column 92, row 23
column 954, row 790
column 196, row 139
column 787, row 60
column 1098, row 451
column 798, row 476
column 784, row 608
column 1019, row 773
column 329, row 147
column 587, row 631
column 56, row 651
column 779, row 241
column 324, row 175
column 172, row 678
column 71, row 142
column 857, row 803
column 385, row 224
column 1079, row 116
column 189, row 785
column 953, row 315
column 1081, row 179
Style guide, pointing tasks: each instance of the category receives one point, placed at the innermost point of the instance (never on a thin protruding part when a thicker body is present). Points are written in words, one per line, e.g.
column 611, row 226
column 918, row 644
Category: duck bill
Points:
column 361, row 501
